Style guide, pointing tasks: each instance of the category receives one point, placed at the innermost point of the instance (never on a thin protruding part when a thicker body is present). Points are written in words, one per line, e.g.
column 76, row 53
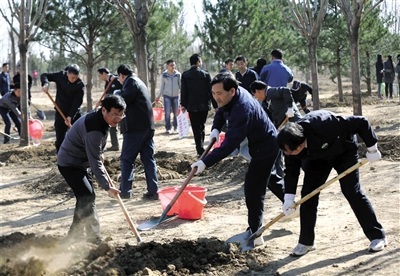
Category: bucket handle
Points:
column 203, row 202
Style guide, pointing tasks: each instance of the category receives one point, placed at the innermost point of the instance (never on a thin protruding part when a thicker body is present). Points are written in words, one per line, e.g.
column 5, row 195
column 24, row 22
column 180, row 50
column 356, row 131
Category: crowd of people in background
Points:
column 252, row 106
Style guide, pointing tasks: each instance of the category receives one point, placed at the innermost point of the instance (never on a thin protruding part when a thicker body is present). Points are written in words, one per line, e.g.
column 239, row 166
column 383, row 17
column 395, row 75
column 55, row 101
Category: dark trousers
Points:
column 316, row 174
column 85, row 213
column 303, row 104
column 255, row 186
column 61, row 128
column 7, row 116
column 136, row 142
column 389, row 88
column 114, row 137
column 198, row 120
column 276, row 182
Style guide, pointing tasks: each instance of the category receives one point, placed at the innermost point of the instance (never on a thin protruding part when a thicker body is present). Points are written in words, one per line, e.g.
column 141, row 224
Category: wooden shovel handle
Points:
column 104, row 93
column 56, row 106
column 126, row 214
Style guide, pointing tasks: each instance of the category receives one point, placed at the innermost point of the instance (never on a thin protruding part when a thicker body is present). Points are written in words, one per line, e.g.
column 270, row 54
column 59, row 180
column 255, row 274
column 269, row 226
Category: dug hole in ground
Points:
column 37, row 208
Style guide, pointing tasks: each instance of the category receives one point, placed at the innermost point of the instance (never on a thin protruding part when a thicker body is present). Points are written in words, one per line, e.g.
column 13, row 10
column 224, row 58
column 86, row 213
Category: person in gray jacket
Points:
column 80, row 156
column 10, row 110
column 170, row 88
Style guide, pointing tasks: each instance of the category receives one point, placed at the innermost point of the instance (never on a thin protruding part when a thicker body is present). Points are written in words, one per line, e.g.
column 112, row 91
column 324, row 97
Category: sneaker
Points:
column 168, row 131
column 259, row 241
column 302, row 249
column 377, row 245
column 113, row 149
column 148, row 195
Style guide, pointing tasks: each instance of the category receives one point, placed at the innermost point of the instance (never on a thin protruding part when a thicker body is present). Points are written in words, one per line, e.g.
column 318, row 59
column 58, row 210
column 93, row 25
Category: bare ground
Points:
column 37, row 207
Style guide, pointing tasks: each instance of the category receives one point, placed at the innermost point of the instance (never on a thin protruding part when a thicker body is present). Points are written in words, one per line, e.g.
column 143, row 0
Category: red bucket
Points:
column 221, row 139
column 158, row 112
column 189, row 205
column 35, row 131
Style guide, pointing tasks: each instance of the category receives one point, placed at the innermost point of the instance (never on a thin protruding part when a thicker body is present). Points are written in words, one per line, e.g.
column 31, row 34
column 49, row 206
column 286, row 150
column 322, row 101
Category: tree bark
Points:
column 141, row 55
column 355, row 69
column 312, row 53
column 339, row 75
column 368, row 74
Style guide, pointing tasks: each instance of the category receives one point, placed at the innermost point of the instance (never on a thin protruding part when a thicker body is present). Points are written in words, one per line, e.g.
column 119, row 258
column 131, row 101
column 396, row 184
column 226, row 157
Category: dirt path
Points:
column 37, row 207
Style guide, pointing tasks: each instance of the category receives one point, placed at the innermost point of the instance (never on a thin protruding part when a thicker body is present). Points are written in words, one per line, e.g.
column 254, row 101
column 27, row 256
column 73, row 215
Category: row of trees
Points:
column 338, row 36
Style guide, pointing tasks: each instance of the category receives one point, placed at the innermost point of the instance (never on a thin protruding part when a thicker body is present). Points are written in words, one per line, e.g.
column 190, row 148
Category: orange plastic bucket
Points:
column 35, row 131
column 191, row 203
column 221, row 139
column 166, row 195
column 158, row 112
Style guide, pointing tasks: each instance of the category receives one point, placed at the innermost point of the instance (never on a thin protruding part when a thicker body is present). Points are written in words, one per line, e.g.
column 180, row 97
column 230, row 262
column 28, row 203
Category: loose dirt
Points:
column 37, row 207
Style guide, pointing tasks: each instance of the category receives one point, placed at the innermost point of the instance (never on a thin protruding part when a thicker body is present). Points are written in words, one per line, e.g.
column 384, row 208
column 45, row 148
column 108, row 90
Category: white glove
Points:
column 214, row 134
column 287, row 208
column 289, row 113
column 200, row 166
column 373, row 154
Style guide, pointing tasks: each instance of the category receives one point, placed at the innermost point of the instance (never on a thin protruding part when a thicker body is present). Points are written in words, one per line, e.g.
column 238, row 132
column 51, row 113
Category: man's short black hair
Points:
column 4, row 64
column 113, row 101
column 228, row 80
column 257, row 85
column 73, row 69
column 276, row 53
column 291, row 135
column 125, row 70
column 102, row 70
column 169, row 61
column 238, row 58
column 194, row 59
column 228, row 60
column 17, row 85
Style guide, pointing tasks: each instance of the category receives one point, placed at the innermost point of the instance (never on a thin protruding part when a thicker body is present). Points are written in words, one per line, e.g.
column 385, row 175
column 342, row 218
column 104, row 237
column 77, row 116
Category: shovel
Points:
column 153, row 222
column 9, row 136
column 57, row 107
column 39, row 113
column 126, row 214
column 248, row 244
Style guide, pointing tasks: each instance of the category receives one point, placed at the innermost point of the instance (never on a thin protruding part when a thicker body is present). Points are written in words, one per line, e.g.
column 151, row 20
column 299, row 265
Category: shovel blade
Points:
column 41, row 114
column 153, row 222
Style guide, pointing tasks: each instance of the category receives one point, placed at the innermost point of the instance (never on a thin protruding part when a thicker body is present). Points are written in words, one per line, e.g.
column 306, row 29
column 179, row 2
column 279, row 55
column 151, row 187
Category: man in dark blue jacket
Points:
column 246, row 119
column 138, row 132
column 317, row 143
column 70, row 91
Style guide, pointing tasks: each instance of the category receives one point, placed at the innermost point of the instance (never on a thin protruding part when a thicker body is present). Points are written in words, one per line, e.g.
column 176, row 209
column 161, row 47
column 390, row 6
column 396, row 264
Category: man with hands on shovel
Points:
column 318, row 142
column 246, row 119
column 80, row 156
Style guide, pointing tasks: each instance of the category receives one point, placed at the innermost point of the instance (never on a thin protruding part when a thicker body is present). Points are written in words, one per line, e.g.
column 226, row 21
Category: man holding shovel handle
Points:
column 318, row 142
column 80, row 156
column 70, row 91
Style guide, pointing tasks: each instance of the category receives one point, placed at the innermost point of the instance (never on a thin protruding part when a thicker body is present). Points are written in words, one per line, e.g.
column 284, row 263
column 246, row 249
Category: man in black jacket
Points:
column 138, row 132
column 195, row 98
column 70, row 91
column 105, row 75
column 299, row 92
column 317, row 143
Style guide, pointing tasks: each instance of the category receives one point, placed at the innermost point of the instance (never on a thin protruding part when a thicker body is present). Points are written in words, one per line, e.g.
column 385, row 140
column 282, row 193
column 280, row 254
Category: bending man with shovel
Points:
column 82, row 149
column 246, row 119
column 317, row 143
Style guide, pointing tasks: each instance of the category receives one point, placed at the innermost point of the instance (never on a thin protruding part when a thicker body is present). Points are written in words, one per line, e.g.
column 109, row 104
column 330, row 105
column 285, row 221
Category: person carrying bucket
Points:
column 246, row 119
column 170, row 88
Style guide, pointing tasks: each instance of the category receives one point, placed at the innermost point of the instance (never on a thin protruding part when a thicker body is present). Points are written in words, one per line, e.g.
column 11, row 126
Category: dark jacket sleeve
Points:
column 292, row 172
column 78, row 100
column 184, row 91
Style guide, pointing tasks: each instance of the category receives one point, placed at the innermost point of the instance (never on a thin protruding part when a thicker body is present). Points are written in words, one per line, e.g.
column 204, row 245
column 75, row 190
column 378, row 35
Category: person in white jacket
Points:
column 170, row 88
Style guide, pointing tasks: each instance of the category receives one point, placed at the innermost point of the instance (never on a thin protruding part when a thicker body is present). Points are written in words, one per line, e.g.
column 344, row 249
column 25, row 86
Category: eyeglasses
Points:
column 116, row 116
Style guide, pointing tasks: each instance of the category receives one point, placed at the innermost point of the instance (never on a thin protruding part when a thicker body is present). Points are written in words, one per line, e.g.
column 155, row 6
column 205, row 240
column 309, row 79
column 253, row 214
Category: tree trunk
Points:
column 13, row 57
column 24, row 137
column 153, row 73
column 355, row 71
column 368, row 77
column 141, row 55
column 312, row 53
column 339, row 75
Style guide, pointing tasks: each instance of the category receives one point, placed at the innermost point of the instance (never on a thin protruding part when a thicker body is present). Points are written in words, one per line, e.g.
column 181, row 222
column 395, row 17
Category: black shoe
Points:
column 150, row 196
column 125, row 196
column 113, row 148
